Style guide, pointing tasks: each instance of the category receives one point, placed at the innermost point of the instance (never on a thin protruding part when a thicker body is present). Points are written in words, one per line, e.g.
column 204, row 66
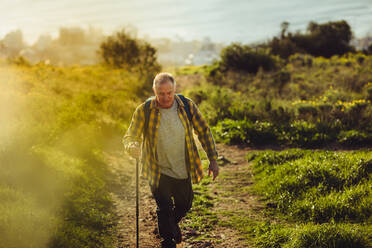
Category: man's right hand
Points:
column 134, row 150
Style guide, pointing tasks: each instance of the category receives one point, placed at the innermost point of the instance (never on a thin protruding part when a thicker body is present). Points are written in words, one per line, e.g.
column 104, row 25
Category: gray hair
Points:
column 162, row 78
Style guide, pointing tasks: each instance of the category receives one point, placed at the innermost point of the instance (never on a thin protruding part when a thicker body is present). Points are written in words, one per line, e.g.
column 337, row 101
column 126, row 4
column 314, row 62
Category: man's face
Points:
column 165, row 94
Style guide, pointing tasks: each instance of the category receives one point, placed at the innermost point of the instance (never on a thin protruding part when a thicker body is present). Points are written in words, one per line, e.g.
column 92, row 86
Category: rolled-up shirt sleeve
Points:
column 203, row 132
column 135, row 130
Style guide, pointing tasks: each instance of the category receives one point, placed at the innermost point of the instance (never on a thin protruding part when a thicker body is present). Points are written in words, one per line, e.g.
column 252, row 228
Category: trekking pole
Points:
column 137, row 196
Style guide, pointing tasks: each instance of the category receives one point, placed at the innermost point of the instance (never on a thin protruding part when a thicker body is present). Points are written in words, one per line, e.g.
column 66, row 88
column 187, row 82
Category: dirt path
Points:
column 124, row 196
column 235, row 173
column 233, row 192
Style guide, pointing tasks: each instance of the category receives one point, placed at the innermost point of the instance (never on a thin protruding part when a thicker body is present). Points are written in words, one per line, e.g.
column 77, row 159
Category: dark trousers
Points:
column 174, row 199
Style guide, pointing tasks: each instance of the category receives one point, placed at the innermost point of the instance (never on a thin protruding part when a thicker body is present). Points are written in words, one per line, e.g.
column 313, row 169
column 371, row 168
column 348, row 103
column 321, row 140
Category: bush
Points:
column 218, row 103
column 307, row 134
column 295, row 134
column 252, row 133
column 369, row 92
column 354, row 138
column 238, row 57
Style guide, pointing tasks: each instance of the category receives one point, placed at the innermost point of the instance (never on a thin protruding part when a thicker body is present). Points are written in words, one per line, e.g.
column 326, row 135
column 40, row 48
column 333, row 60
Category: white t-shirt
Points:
column 171, row 143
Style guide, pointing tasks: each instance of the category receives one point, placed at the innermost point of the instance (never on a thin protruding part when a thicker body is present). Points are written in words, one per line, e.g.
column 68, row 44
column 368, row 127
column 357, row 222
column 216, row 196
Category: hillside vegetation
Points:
column 58, row 122
column 308, row 102
column 322, row 198
column 55, row 124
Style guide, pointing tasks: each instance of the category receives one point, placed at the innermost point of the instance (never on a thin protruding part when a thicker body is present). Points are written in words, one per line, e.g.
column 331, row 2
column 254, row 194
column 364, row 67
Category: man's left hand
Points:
column 213, row 167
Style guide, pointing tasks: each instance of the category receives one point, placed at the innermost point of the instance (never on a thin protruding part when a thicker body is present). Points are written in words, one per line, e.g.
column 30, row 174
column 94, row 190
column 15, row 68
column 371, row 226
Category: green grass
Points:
column 245, row 225
column 191, row 70
column 321, row 186
column 312, row 236
column 24, row 221
column 202, row 218
column 320, row 105
column 267, row 233
column 317, row 199
column 56, row 122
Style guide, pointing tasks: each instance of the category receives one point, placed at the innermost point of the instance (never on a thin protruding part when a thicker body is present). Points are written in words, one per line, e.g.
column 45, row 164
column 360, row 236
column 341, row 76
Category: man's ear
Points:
column 153, row 89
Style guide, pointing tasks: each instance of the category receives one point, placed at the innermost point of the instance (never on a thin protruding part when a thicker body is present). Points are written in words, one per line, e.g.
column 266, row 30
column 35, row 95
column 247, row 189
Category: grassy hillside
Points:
column 323, row 198
column 294, row 198
column 311, row 198
column 55, row 123
column 308, row 102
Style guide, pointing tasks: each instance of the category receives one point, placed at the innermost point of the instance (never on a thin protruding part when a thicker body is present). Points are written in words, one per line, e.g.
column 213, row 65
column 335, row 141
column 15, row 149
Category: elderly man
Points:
column 170, row 160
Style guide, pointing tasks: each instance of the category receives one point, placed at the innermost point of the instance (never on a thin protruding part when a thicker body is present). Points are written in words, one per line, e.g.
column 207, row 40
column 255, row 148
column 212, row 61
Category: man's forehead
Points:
column 165, row 86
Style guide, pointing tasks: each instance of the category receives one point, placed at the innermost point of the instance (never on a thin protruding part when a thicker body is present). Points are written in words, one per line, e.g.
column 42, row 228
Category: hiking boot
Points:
column 175, row 229
column 168, row 243
column 177, row 233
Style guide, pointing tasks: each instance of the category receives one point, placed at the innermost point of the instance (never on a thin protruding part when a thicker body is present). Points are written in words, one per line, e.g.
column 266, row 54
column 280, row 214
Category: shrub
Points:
column 369, row 91
column 218, row 103
column 271, row 158
column 307, row 112
column 306, row 134
column 354, row 138
column 238, row 57
column 252, row 133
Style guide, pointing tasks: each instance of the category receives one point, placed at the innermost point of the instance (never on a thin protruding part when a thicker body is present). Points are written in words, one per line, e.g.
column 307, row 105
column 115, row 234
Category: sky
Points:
column 226, row 21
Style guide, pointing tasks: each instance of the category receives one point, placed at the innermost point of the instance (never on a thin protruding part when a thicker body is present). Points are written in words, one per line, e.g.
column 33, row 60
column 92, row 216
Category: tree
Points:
column 284, row 26
column 121, row 50
column 71, row 36
column 283, row 47
column 328, row 39
column 368, row 50
column 13, row 43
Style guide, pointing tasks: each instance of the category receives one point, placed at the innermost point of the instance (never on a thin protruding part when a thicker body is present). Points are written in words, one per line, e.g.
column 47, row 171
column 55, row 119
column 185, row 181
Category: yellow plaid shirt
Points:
column 150, row 168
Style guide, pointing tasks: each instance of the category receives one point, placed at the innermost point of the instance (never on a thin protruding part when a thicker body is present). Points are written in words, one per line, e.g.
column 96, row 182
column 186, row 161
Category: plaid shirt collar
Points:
column 155, row 104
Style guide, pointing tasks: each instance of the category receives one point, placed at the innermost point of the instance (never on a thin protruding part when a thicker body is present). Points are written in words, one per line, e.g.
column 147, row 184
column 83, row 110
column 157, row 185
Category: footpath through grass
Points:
column 305, row 198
